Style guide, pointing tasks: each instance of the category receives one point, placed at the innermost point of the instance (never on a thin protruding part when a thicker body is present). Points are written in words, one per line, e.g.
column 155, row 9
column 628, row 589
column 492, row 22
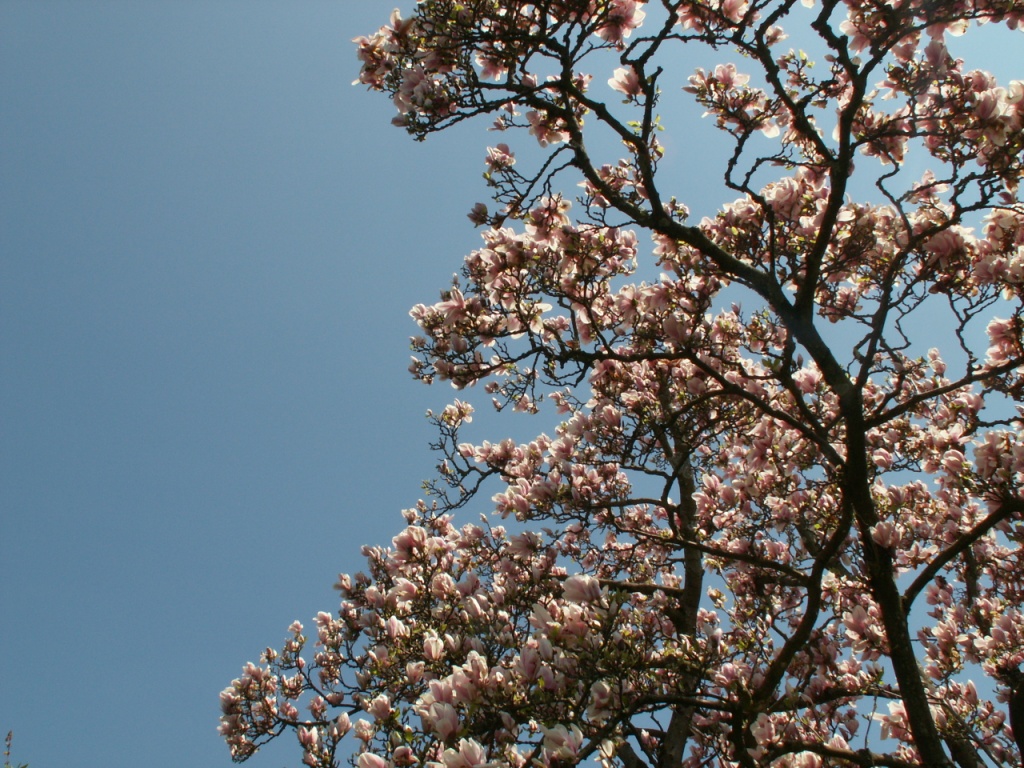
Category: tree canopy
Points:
column 779, row 518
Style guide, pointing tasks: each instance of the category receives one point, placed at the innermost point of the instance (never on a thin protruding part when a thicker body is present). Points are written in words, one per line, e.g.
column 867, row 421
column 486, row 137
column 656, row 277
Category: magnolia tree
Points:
column 788, row 534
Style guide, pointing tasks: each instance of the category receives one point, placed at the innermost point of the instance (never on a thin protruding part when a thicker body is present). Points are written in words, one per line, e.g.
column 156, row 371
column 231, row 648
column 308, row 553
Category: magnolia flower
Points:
column 468, row 755
column 563, row 743
column 441, row 718
column 499, row 158
column 370, row 760
column 625, row 80
column 620, row 19
column 582, row 589
column 763, row 731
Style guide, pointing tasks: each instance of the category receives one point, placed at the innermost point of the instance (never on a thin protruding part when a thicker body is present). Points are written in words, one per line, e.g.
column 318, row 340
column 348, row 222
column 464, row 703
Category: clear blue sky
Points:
column 209, row 242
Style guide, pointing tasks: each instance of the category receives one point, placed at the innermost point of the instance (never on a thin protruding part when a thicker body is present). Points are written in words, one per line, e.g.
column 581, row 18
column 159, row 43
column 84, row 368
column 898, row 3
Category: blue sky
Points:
column 209, row 243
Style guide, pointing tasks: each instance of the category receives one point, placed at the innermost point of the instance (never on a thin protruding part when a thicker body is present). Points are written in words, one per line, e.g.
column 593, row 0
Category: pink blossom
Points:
column 341, row 725
column 380, row 707
column 763, row 731
column 546, row 129
column 563, row 743
column 894, row 724
column 433, row 647
column 620, row 19
column 625, row 80
column 491, row 68
column 370, row 760
column 364, row 730
column 885, row 534
column 469, row 754
column 734, row 10
column 443, row 719
column 499, row 158
column 582, row 589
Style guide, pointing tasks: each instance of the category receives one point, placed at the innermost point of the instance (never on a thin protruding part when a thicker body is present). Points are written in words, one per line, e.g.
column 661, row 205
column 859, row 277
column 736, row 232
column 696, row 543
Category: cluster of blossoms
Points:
column 787, row 537
column 467, row 644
